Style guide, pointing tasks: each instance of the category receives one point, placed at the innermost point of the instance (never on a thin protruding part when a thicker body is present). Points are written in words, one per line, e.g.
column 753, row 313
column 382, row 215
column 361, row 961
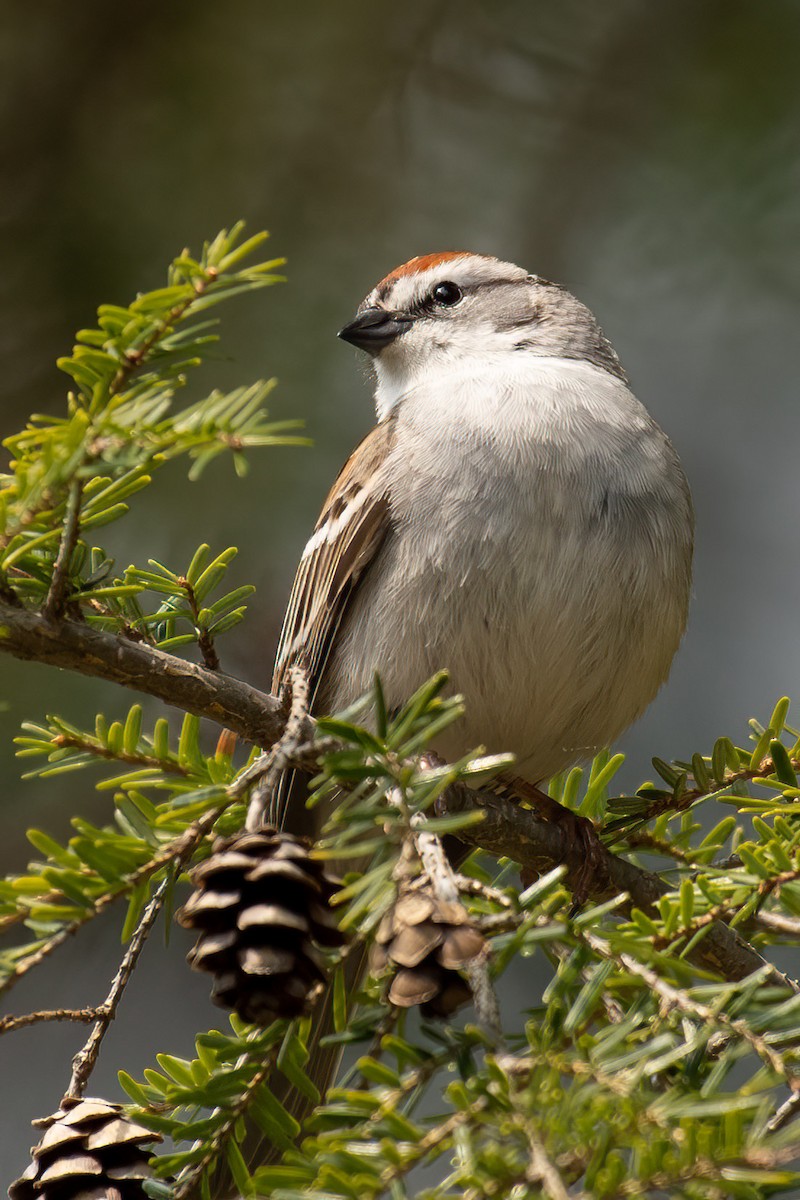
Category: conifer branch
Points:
column 133, row 759
column 515, row 832
column 507, row 829
column 189, row 1183
column 255, row 716
column 677, row 998
column 178, row 850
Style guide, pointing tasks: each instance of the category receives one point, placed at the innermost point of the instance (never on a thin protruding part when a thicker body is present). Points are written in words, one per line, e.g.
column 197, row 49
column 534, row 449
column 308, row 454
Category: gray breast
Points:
column 540, row 551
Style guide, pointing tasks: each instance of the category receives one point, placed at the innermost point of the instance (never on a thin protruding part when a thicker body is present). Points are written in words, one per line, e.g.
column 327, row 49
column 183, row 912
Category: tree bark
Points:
column 255, row 716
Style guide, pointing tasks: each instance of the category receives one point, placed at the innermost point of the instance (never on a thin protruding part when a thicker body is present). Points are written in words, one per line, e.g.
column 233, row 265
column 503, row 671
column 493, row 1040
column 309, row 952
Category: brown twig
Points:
column 205, row 641
column 255, row 716
column 135, row 358
column 511, row 831
column 642, row 839
column 266, row 770
column 678, row 804
column 169, row 766
column 84, row 1061
column 542, row 1170
column 84, row 1015
column 724, row 912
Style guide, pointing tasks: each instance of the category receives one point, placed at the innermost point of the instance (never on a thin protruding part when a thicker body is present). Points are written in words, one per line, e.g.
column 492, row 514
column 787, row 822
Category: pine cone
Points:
column 428, row 941
column 89, row 1151
column 262, row 908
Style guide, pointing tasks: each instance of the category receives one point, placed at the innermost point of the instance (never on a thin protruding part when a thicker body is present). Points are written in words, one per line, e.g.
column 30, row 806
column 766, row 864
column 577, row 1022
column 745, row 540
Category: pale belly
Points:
column 547, row 569
column 552, row 666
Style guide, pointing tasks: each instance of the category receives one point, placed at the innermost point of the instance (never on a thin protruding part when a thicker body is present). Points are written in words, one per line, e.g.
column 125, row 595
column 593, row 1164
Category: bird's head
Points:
column 458, row 311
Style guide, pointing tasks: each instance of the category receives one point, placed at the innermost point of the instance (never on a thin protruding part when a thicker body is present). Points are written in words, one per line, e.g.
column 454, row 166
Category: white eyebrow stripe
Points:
column 330, row 530
column 465, row 271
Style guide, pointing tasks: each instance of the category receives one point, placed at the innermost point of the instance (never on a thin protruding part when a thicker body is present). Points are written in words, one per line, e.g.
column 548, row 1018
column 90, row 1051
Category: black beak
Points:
column 374, row 328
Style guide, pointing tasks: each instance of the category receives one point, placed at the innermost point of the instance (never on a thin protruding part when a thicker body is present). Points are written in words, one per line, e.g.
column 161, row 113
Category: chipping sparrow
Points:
column 516, row 517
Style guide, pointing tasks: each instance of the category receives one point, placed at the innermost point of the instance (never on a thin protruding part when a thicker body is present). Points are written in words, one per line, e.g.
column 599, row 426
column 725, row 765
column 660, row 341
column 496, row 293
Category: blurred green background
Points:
column 646, row 155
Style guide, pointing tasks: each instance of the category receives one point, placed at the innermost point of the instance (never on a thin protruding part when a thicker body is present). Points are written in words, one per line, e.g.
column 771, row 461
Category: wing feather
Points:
column 354, row 521
column 346, row 537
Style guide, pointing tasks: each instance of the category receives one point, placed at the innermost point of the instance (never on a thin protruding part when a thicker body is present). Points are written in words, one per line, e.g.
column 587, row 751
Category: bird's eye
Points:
column 447, row 294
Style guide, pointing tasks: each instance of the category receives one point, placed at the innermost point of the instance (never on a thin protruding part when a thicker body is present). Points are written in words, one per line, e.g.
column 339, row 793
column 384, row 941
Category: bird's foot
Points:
column 585, row 854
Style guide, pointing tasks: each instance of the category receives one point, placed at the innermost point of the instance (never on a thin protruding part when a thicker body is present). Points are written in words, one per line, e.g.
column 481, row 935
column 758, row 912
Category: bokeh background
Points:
column 646, row 155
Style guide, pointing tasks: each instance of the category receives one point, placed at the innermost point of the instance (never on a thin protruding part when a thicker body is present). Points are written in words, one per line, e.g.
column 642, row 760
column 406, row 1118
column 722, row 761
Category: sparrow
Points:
column 515, row 517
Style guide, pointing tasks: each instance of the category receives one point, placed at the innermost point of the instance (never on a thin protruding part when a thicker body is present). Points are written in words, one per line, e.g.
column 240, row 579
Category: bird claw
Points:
column 589, row 868
column 585, row 854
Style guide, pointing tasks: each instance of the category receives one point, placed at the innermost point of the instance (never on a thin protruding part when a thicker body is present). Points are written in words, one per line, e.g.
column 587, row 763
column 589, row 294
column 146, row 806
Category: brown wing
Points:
column 351, row 527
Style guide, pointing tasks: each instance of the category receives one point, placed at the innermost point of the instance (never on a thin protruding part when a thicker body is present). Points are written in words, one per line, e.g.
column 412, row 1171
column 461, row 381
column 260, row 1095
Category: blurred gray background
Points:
column 645, row 155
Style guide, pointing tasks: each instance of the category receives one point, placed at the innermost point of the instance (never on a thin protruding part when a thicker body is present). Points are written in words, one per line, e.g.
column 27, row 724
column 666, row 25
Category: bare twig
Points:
column 83, row 1015
column 778, row 923
column 52, row 943
column 267, row 769
column 786, row 1113
column 84, row 1061
column 54, row 604
column 468, row 886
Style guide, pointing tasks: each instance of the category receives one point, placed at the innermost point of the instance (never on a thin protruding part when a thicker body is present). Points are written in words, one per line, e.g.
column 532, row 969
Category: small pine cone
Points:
column 262, row 908
column 428, row 942
column 89, row 1151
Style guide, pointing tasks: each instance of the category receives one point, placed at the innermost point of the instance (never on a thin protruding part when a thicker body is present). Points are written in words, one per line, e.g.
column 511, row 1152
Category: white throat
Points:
column 490, row 376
